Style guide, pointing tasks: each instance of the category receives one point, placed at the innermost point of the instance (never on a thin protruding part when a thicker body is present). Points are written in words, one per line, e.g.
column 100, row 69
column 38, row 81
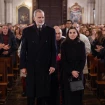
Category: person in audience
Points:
column 10, row 28
column 87, row 47
column 87, row 33
column 93, row 35
column 68, row 24
column 18, row 35
column 56, row 88
column 83, row 30
column 72, row 64
column 98, row 44
column 9, row 41
column 38, row 59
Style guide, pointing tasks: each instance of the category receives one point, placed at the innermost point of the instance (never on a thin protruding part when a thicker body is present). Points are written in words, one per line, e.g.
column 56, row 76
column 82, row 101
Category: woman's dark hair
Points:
column 67, row 35
column 100, row 37
column 17, row 29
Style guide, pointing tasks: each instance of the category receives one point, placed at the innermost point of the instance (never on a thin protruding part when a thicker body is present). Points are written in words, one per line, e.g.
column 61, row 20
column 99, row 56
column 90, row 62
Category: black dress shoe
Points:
column 24, row 94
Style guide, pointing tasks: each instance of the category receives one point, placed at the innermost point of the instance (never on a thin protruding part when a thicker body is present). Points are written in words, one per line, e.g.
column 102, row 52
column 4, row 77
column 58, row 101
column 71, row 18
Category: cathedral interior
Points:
column 19, row 13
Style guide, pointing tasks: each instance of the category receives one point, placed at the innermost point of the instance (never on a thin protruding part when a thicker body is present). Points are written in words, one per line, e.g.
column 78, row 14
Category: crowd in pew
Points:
column 95, row 34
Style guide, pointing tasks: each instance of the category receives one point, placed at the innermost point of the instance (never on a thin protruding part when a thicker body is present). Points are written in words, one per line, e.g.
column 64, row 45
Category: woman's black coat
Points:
column 73, row 57
column 38, row 54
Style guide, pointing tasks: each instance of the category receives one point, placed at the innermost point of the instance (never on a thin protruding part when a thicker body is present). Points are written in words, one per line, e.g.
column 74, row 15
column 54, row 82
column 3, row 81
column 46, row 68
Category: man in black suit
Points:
column 68, row 24
column 38, row 59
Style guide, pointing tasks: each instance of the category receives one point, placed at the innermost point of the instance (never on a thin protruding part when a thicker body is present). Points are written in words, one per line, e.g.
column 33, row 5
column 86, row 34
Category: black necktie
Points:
column 40, row 29
column 39, row 32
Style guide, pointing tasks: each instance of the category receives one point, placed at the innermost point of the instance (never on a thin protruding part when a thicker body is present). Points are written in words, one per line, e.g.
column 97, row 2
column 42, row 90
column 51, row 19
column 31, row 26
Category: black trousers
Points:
column 39, row 101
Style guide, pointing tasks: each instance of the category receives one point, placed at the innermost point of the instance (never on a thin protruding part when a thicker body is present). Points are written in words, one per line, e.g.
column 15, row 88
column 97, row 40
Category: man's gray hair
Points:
column 38, row 10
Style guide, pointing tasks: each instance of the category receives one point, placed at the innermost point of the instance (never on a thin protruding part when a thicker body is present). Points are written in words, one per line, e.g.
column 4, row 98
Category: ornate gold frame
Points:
column 82, row 9
column 23, row 4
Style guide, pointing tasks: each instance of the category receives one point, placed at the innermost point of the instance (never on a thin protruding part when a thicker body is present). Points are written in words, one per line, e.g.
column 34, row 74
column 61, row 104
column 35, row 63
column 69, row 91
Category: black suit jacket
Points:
column 37, row 56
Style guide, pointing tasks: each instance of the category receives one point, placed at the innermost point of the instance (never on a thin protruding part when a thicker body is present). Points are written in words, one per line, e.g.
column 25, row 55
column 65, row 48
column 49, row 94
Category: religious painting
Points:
column 76, row 13
column 23, row 15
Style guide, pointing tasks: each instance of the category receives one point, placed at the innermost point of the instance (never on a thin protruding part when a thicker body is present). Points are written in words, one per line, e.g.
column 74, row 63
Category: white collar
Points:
column 39, row 26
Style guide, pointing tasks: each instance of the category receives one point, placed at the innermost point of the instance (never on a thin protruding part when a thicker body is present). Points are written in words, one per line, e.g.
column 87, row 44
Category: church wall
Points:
column 100, row 12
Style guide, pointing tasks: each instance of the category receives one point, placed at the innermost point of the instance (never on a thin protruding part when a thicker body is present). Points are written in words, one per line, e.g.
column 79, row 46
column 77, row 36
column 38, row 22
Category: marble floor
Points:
column 14, row 97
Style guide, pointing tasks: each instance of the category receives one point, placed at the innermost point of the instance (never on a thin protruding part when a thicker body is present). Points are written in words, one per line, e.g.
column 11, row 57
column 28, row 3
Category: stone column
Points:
column 103, row 12
column 100, row 13
column 97, row 11
column 90, row 9
column 2, row 10
column 9, row 11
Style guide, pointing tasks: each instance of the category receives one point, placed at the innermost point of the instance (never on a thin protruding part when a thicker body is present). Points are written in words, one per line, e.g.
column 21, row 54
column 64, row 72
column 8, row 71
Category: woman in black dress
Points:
column 73, row 59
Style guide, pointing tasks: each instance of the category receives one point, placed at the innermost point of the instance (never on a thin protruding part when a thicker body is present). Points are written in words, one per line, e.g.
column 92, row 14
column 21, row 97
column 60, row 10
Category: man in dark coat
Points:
column 38, row 59
column 68, row 24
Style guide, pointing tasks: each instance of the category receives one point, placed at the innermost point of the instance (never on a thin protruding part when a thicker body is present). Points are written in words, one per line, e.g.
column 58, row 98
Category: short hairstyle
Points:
column 5, row 25
column 38, row 10
column 68, row 21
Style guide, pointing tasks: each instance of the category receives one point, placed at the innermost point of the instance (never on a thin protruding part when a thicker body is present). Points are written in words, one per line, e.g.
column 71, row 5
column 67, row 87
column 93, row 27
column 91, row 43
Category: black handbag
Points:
column 76, row 85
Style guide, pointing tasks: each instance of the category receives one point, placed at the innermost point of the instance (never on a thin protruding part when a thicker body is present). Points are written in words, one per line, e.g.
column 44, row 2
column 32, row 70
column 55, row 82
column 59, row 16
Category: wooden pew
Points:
column 92, row 66
column 3, row 71
column 100, row 81
column 3, row 81
column 9, row 65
